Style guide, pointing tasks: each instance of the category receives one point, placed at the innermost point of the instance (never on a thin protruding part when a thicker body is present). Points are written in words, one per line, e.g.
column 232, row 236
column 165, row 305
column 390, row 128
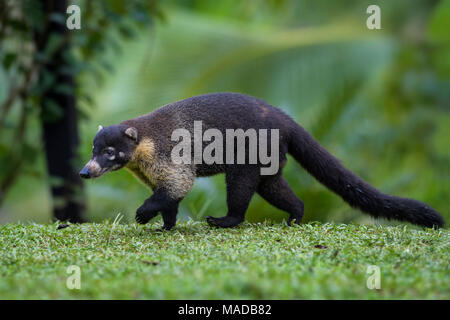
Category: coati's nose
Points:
column 85, row 174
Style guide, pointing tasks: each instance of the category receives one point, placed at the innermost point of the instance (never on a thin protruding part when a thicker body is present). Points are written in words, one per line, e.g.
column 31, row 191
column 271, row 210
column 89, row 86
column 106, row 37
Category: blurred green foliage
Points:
column 377, row 99
column 41, row 60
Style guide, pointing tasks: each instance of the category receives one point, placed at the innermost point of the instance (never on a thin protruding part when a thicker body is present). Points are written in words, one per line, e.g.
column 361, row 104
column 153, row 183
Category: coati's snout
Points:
column 85, row 173
column 92, row 169
column 112, row 149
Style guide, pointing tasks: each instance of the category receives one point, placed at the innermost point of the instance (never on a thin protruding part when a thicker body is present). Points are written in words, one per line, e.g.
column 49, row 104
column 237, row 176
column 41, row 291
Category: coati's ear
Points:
column 132, row 133
column 99, row 128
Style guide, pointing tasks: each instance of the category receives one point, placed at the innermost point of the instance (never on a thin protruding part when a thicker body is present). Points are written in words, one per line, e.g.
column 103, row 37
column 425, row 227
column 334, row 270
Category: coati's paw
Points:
column 291, row 221
column 142, row 217
column 165, row 227
column 223, row 222
column 168, row 227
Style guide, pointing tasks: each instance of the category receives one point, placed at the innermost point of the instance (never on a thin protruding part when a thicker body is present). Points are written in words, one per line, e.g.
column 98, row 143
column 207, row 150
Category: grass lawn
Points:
column 194, row 261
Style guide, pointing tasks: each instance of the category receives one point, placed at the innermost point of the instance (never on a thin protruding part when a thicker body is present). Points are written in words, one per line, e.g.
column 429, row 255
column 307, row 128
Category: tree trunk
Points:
column 60, row 131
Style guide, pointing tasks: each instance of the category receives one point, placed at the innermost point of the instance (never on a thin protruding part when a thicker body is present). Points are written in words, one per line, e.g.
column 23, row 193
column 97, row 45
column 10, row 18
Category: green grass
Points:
column 194, row 261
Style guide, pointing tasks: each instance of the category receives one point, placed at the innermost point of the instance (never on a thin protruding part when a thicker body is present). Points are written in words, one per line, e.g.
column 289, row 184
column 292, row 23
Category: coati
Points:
column 143, row 145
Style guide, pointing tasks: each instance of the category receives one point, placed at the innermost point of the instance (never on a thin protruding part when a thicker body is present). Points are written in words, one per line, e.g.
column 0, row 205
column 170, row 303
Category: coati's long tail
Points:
column 356, row 192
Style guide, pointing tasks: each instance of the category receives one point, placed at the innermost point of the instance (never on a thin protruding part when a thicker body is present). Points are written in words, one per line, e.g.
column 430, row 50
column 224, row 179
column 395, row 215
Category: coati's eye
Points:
column 109, row 153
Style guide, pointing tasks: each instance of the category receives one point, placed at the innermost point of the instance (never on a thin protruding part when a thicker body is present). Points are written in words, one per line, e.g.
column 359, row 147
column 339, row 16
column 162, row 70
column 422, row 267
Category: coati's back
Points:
column 216, row 110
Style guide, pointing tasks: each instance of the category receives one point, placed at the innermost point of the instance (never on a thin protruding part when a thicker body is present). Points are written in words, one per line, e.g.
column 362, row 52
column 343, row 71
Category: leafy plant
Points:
column 40, row 60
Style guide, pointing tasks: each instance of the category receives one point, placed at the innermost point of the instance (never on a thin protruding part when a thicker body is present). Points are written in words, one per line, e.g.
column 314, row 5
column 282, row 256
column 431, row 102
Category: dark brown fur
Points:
column 150, row 160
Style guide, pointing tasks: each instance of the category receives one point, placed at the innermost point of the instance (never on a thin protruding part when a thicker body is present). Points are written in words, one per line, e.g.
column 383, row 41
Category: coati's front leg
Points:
column 162, row 202
column 169, row 216
column 241, row 185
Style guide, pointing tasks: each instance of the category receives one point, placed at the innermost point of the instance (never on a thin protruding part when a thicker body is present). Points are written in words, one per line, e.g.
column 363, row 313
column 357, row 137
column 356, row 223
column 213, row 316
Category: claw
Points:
column 223, row 222
column 141, row 219
column 211, row 221
column 292, row 221
column 164, row 228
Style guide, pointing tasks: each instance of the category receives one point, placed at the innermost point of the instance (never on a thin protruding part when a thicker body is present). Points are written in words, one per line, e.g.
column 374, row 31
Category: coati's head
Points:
column 112, row 149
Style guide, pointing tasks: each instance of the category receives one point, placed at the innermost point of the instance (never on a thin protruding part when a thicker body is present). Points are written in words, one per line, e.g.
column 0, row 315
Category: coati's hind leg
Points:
column 159, row 201
column 276, row 191
column 241, row 185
